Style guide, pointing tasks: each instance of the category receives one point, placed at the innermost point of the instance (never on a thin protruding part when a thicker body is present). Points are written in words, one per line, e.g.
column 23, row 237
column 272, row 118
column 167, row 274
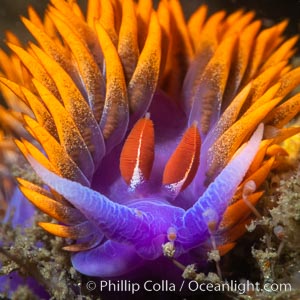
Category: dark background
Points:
column 270, row 10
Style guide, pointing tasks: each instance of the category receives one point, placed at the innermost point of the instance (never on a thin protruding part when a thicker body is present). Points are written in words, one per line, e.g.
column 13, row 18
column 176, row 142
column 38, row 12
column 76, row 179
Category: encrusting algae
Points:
column 148, row 139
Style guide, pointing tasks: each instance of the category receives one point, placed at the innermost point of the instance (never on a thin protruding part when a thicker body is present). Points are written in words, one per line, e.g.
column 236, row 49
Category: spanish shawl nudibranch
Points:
column 150, row 133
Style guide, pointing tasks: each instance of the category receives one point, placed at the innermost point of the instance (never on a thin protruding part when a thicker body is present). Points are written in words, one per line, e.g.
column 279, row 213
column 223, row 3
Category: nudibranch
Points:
column 146, row 130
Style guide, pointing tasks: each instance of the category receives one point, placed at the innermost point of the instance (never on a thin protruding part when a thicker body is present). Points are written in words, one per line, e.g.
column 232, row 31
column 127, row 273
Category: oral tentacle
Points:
column 128, row 225
column 220, row 192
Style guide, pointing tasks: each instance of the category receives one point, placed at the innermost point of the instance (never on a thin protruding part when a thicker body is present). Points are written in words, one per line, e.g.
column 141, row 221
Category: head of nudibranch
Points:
column 151, row 134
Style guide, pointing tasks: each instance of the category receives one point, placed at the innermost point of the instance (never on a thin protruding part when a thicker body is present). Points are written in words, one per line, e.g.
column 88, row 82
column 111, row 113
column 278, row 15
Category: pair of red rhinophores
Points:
column 137, row 157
